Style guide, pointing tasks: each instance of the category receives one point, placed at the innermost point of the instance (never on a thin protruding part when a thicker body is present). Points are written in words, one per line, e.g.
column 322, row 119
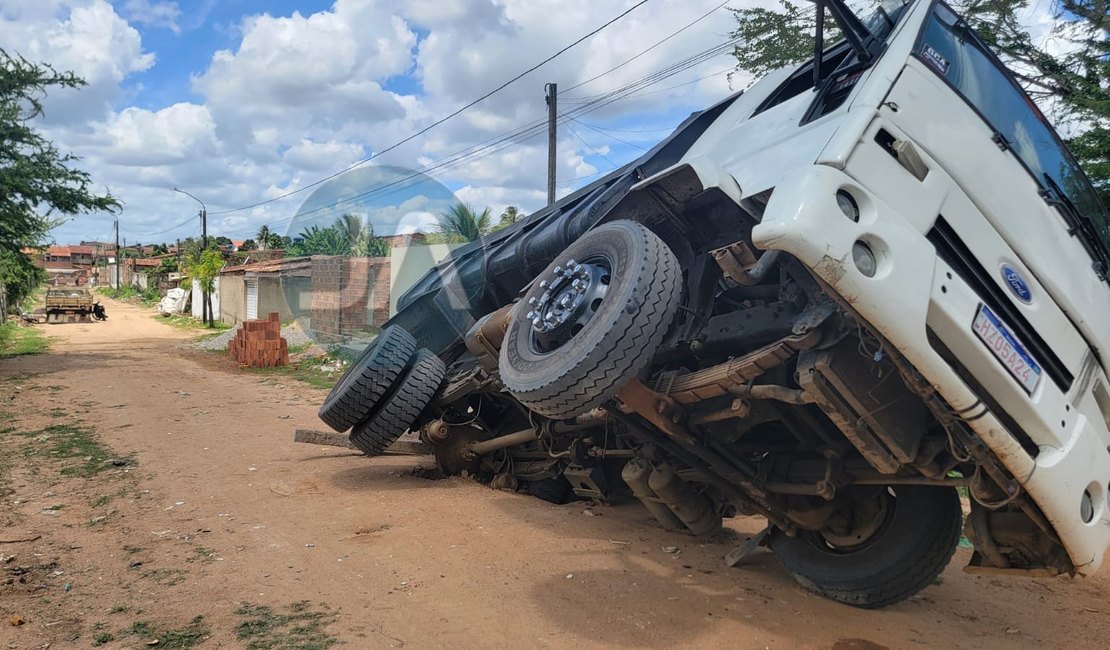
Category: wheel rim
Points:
column 871, row 516
column 571, row 296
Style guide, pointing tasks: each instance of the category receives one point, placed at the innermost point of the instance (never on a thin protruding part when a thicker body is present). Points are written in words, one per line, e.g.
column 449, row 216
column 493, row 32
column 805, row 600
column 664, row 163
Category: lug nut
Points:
column 543, row 284
column 571, row 263
column 530, row 315
column 532, row 301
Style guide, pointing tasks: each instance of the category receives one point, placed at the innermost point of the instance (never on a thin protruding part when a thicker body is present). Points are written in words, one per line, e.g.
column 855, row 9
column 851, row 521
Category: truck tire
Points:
column 368, row 378
column 400, row 408
column 630, row 285
column 905, row 554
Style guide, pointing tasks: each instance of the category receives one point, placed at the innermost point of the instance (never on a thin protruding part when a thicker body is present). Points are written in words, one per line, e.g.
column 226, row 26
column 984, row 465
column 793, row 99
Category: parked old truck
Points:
column 836, row 301
column 72, row 305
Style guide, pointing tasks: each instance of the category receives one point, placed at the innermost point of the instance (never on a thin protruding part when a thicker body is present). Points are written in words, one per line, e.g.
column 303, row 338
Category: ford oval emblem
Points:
column 1017, row 284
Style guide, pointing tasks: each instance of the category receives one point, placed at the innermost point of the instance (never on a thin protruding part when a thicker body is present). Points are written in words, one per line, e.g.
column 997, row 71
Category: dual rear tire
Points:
column 384, row 391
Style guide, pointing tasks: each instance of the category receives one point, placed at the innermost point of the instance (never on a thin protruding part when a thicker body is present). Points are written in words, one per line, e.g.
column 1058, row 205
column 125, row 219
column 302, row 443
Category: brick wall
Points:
column 350, row 295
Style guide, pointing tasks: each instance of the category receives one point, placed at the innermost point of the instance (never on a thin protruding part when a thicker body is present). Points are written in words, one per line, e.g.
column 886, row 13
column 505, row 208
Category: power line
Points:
column 596, row 127
column 162, row 232
column 441, row 120
column 509, row 139
column 612, row 137
column 575, row 134
column 643, row 52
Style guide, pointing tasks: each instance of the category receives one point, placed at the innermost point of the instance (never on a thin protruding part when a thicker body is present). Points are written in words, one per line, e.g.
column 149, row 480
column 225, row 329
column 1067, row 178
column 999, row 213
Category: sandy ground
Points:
column 219, row 509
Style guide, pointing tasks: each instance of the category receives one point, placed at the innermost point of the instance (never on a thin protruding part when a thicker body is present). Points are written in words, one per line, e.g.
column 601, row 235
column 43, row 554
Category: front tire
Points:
column 573, row 344
column 881, row 562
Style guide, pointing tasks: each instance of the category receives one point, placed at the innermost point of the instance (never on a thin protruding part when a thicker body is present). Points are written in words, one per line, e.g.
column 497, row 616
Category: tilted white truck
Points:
column 835, row 300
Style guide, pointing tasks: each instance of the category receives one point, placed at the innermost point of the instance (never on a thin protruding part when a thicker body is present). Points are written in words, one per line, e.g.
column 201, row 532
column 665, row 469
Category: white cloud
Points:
column 297, row 97
column 88, row 38
column 309, row 75
column 153, row 13
column 322, row 156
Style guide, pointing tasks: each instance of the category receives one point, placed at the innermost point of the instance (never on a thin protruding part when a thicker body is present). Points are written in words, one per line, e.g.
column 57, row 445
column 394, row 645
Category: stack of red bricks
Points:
column 259, row 344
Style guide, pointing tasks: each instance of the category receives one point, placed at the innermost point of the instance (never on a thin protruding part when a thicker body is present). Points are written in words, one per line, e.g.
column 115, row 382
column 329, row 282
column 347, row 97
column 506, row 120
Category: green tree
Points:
column 203, row 266
column 37, row 181
column 348, row 236
column 275, row 241
column 169, row 265
column 1073, row 79
column 363, row 242
column 510, row 216
column 460, row 223
column 263, row 236
column 249, row 245
column 315, row 240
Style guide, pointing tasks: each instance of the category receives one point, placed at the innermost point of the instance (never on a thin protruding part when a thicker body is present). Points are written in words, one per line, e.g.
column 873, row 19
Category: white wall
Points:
column 197, row 297
column 408, row 264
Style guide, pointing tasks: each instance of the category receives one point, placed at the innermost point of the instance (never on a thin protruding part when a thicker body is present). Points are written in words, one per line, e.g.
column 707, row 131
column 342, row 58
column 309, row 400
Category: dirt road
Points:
column 181, row 511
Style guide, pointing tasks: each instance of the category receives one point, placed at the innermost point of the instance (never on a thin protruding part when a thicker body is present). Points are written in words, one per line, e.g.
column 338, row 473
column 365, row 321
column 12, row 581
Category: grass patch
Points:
column 188, row 636
column 147, row 297
column 167, row 577
column 302, row 628
column 67, row 443
column 319, row 372
column 183, row 322
column 203, row 554
column 102, row 638
column 16, row 341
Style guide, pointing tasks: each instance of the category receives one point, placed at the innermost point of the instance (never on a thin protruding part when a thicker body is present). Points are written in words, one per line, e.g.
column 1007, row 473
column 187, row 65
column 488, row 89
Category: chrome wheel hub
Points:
column 569, row 299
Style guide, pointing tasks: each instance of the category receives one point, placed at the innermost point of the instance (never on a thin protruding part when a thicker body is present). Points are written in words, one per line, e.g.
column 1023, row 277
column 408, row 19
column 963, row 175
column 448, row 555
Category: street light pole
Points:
column 206, row 308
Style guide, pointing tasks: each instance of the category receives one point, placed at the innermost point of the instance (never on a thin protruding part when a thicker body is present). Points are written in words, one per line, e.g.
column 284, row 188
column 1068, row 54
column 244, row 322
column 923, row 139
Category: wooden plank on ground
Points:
column 333, row 439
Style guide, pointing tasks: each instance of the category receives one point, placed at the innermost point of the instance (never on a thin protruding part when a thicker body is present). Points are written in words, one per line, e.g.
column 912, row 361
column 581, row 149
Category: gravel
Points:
column 293, row 334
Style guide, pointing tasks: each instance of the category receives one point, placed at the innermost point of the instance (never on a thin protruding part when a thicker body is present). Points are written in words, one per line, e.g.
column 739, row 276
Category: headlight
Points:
column 1086, row 507
column 847, row 205
column 864, row 258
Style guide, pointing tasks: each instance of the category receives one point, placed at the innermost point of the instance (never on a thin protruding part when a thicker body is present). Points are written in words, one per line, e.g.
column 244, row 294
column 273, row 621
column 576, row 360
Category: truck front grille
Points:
column 956, row 254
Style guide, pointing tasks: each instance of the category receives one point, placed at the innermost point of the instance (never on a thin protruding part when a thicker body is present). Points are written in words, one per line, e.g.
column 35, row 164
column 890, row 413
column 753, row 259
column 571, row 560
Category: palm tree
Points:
column 510, row 216
column 462, row 224
column 263, row 237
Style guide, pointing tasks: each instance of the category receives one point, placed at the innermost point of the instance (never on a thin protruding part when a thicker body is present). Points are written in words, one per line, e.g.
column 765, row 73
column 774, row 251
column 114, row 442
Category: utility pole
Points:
column 552, row 91
column 207, row 315
column 117, row 254
column 206, row 300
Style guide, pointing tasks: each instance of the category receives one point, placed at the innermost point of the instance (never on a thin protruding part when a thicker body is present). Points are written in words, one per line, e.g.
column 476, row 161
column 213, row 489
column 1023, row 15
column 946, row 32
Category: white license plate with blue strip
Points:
column 1007, row 349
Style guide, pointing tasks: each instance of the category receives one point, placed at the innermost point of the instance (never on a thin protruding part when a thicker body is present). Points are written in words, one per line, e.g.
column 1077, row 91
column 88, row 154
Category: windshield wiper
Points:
column 1077, row 223
column 864, row 44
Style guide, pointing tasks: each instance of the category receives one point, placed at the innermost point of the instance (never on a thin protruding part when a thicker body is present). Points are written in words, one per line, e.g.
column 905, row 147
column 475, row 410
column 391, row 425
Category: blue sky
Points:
column 241, row 102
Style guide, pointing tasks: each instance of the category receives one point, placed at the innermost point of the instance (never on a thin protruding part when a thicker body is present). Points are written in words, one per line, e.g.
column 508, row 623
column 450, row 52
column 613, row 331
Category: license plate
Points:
column 1007, row 349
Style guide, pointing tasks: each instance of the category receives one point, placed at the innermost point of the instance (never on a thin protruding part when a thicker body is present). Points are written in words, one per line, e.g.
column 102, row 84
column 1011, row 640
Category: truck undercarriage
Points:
column 640, row 339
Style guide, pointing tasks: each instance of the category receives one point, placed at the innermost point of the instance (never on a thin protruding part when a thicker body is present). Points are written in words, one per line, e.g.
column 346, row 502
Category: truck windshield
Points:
column 957, row 55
